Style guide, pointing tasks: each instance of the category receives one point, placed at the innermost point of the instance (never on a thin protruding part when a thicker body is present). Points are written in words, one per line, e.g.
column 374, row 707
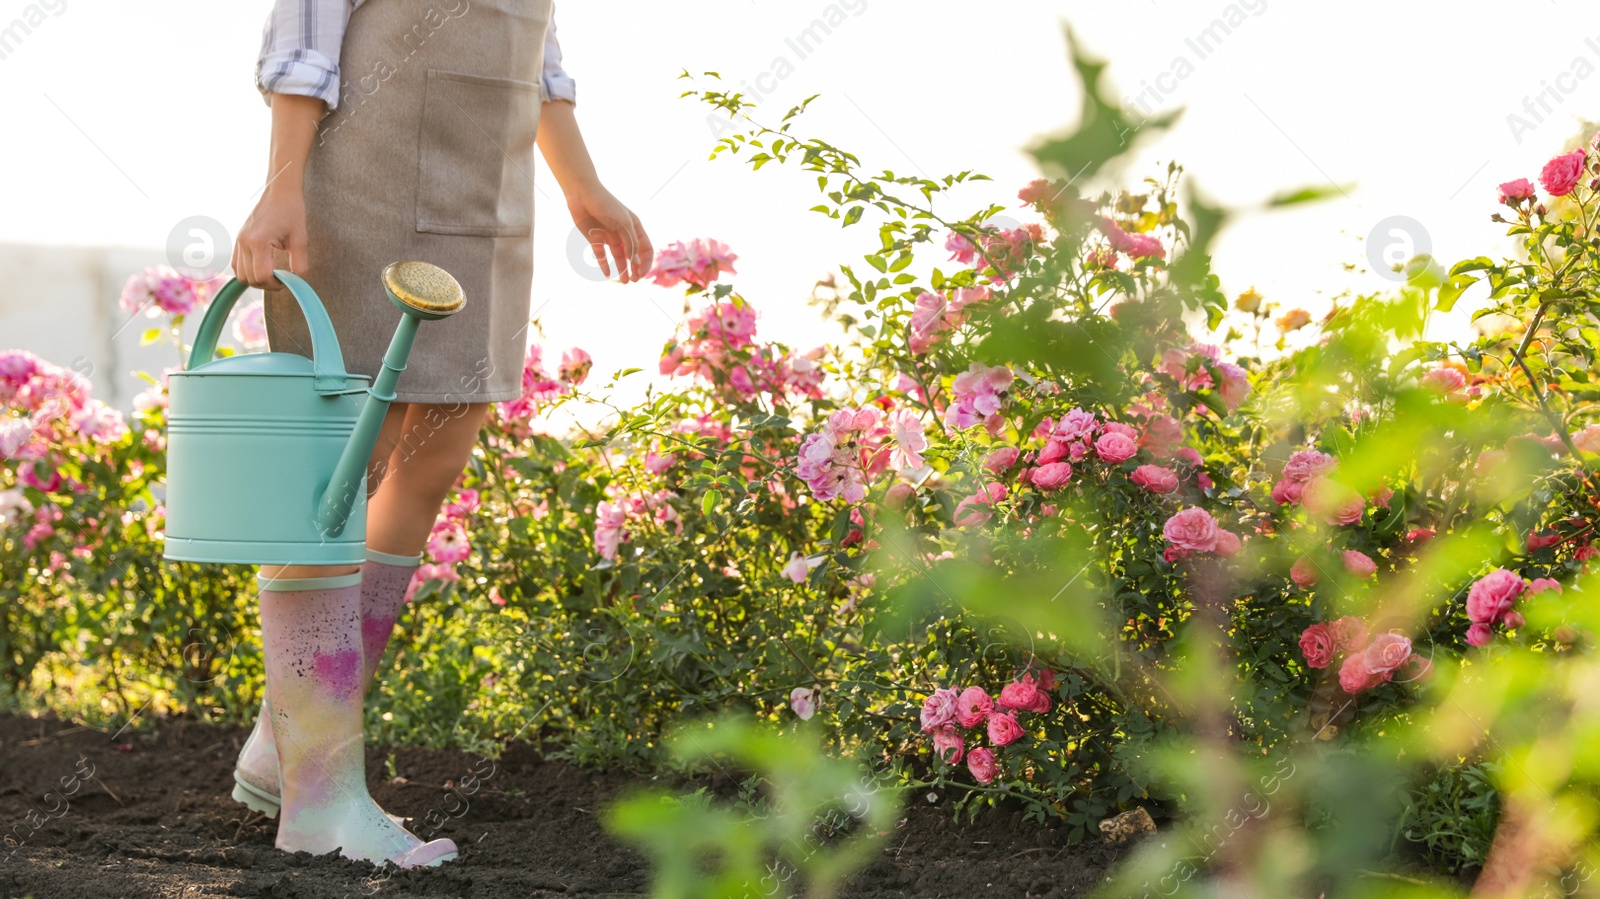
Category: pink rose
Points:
column 1317, row 644
column 1387, row 653
column 1333, row 502
column 1540, row 585
column 448, row 543
column 1235, row 384
column 1520, row 189
column 1228, row 544
column 898, row 495
column 1588, row 439
column 980, row 762
column 804, row 701
column 1001, row 459
column 1052, row 476
column 1420, row 535
column 1304, row 573
column 1479, row 634
column 1355, row 675
column 1307, row 464
column 1537, row 541
column 1561, row 174
column 1004, row 729
column 1444, row 380
column 575, row 365
column 1350, row 633
column 1021, row 695
column 1155, row 479
column 1490, row 598
column 973, row 706
column 1359, row 564
column 797, row 570
column 1287, row 492
column 939, row 709
column 1115, row 447
column 1192, row 529
column 974, row 510
column 948, row 745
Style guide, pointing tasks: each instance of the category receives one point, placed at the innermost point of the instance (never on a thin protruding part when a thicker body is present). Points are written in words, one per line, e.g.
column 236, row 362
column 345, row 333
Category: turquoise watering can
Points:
column 267, row 452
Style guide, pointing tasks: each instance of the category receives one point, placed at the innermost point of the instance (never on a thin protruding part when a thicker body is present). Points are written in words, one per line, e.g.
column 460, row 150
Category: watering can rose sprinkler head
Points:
column 421, row 291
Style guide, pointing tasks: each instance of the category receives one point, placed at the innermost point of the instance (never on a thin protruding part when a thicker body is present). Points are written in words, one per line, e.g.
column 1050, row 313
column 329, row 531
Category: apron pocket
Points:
column 475, row 155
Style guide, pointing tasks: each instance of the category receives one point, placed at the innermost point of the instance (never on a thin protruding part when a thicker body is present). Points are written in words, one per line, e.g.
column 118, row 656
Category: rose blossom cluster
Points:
column 44, row 410
column 721, row 348
column 1004, row 250
column 1559, row 177
column 611, row 518
column 697, row 263
column 933, row 314
column 841, row 459
column 539, row 387
column 1133, row 245
column 1363, row 664
column 162, row 289
column 1306, row 481
column 976, row 397
column 947, row 710
column 1080, row 437
column 1200, row 366
column 1490, row 602
column 447, row 543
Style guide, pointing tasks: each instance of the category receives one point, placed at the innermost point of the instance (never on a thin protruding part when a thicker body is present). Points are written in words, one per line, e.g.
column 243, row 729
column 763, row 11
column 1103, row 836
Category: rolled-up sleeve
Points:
column 557, row 84
column 300, row 48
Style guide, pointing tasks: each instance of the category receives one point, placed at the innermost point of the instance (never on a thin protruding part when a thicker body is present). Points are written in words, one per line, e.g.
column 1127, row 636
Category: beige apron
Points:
column 428, row 156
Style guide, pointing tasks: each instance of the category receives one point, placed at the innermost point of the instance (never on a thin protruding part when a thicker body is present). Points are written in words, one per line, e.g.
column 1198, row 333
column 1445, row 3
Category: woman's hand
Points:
column 606, row 223
column 278, row 223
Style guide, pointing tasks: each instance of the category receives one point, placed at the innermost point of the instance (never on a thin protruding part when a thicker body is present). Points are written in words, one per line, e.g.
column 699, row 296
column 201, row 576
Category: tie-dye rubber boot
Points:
column 384, row 579
column 311, row 634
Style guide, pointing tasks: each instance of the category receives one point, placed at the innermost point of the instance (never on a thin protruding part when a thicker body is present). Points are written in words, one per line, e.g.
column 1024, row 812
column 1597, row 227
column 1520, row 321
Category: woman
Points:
column 401, row 129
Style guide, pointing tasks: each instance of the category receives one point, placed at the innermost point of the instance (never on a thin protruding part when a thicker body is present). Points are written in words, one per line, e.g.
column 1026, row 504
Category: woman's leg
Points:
column 312, row 644
column 430, row 451
column 426, row 452
column 256, row 772
column 427, row 456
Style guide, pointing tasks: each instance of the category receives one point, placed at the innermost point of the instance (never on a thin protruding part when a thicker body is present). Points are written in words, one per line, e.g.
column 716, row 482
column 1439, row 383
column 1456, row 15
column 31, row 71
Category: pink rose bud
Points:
column 1359, row 564
column 980, row 762
column 948, row 744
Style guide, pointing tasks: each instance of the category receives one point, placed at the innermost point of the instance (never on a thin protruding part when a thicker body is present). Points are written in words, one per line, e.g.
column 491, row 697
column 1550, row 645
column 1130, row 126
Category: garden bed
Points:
column 153, row 818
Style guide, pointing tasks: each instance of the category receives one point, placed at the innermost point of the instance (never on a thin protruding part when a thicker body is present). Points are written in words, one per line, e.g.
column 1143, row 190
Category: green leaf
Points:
column 1450, row 291
column 1478, row 264
column 853, row 215
column 1309, row 194
column 1104, row 132
column 709, row 501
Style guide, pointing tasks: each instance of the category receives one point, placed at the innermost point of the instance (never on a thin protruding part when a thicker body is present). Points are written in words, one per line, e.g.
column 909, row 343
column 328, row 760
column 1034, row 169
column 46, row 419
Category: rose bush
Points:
column 1049, row 508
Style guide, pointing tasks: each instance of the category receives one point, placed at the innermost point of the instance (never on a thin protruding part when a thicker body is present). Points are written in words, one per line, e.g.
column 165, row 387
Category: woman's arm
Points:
column 298, row 75
column 600, row 216
column 278, row 222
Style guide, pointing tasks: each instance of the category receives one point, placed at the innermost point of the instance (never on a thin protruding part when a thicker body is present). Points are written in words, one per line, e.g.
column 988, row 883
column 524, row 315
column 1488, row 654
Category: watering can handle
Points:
column 326, row 359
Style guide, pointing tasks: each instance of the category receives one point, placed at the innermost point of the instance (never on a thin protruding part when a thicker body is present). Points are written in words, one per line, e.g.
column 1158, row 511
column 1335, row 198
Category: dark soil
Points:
column 153, row 818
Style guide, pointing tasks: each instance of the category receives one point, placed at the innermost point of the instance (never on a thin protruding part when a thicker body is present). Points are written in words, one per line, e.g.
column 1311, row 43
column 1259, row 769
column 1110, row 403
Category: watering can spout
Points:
column 420, row 291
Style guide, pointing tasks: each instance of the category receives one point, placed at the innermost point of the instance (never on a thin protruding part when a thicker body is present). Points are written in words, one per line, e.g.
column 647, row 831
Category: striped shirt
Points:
column 300, row 52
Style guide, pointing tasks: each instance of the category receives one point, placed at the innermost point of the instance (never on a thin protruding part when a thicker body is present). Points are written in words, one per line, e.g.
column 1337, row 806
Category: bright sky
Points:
column 128, row 116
